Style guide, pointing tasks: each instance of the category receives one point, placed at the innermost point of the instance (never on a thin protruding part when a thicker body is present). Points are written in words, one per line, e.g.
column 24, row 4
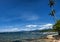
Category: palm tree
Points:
column 52, row 13
column 51, row 3
column 56, row 26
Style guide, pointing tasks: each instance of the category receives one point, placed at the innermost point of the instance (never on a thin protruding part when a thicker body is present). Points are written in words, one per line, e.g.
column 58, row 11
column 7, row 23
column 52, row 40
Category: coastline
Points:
column 42, row 39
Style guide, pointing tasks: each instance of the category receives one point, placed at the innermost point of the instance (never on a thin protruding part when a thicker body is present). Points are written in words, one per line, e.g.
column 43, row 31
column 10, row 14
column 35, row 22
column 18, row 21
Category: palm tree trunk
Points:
column 55, row 19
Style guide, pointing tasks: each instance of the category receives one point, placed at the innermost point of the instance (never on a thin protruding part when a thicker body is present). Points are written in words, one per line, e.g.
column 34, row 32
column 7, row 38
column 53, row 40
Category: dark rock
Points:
column 17, row 41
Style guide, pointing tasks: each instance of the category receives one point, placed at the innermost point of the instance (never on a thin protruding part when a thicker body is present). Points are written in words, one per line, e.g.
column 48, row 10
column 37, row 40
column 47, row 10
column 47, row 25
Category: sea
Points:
column 24, row 35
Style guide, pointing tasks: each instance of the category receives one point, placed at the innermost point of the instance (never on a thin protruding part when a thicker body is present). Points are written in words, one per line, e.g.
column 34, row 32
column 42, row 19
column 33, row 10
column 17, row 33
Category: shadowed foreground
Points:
column 47, row 39
column 25, row 37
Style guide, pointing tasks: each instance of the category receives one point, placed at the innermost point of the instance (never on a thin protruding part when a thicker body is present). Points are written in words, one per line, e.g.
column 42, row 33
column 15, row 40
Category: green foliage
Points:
column 48, row 30
column 56, row 26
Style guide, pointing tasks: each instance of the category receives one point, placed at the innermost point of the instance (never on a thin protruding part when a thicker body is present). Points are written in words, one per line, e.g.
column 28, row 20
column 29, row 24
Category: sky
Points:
column 20, row 15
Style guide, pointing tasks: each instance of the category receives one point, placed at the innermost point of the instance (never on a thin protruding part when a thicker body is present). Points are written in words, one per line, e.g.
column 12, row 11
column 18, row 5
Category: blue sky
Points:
column 17, row 15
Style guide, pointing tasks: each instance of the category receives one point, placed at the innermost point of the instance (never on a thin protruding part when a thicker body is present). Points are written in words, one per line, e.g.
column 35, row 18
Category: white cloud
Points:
column 31, row 26
column 40, row 27
column 9, row 30
column 46, row 26
column 26, row 28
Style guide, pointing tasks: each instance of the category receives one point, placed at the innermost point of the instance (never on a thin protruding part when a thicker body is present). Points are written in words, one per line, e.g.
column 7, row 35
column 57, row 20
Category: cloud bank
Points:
column 27, row 28
column 40, row 27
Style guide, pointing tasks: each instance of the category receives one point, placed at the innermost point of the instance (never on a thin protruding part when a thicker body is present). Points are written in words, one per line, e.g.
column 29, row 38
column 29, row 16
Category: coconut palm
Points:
column 51, row 3
column 52, row 13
